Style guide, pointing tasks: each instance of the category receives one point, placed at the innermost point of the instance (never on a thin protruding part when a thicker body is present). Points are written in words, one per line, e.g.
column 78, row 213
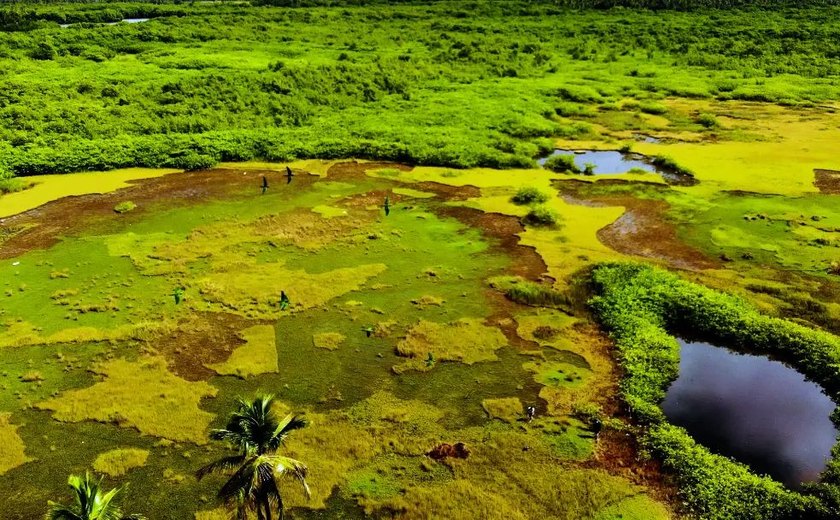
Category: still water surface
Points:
column 754, row 409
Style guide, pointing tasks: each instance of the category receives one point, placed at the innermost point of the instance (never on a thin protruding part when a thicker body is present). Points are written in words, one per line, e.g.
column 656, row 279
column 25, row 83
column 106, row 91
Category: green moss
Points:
column 125, row 207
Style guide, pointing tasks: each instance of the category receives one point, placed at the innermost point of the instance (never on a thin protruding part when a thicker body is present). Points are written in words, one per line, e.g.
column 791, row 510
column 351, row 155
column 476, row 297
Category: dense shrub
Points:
column 562, row 163
column 542, row 216
column 529, row 195
column 529, row 293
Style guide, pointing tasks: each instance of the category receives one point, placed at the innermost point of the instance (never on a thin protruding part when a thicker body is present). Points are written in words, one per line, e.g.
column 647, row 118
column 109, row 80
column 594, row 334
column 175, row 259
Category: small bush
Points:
column 541, row 216
column 529, row 293
column 589, row 168
column 14, row 184
column 125, row 207
column 653, row 108
column 707, row 120
column 562, row 164
column 529, row 195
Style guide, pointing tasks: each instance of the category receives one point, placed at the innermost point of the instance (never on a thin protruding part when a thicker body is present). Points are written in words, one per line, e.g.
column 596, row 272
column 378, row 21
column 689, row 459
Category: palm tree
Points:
column 90, row 503
column 254, row 431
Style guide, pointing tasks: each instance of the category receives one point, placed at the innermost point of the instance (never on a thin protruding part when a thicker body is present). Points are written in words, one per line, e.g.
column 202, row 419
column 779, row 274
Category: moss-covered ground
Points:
column 130, row 335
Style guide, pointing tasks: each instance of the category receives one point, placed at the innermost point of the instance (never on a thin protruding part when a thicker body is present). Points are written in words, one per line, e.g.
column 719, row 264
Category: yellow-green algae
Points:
column 253, row 290
column 118, row 462
column 13, row 453
column 328, row 340
column 52, row 187
column 142, row 395
column 257, row 356
column 467, row 341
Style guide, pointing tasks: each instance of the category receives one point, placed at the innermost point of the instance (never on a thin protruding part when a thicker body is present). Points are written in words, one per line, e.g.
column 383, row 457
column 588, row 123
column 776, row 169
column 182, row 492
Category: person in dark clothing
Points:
column 264, row 185
column 284, row 301
column 387, row 206
column 596, row 427
column 531, row 412
column 178, row 294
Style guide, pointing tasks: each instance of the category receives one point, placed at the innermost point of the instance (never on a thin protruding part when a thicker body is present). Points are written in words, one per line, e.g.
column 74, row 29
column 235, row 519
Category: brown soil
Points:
column 43, row 226
column 827, row 181
column 206, row 339
column 619, row 452
column 504, row 229
column 643, row 230
column 355, row 170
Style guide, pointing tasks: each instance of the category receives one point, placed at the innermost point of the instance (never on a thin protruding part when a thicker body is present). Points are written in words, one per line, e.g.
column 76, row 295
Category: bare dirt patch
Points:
column 208, row 339
column 43, row 226
column 643, row 230
column 355, row 170
column 827, row 181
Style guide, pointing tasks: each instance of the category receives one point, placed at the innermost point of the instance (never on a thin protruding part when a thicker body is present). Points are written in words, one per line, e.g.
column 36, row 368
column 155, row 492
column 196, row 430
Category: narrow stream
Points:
column 759, row 411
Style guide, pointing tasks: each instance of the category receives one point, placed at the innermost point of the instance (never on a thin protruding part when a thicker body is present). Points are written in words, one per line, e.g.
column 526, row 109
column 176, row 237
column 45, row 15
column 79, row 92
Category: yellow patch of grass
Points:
column 330, row 446
column 52, row 187
column 328, row 340
column 142, row 395
column 793, row 143
column 508, row 409
column 219, row 513
column 329, row 211
column 416, row 194
column 466, row 341
column 116, row 463
column 12, row 455
column 253, row 290
column 576, row 244
column 257, row 356
column 24, row 333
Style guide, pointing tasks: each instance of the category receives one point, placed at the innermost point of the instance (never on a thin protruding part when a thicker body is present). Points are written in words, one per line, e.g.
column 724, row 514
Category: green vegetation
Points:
column 257, row 435
column 89, row 503
column 640, row 306
column 562, row 164
column 542, row 216
column 131, row 319
column 429, row 87
column 529, row 195
column 125, row 207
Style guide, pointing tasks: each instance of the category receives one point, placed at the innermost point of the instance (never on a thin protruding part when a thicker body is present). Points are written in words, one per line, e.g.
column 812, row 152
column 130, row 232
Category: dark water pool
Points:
column 754, row 409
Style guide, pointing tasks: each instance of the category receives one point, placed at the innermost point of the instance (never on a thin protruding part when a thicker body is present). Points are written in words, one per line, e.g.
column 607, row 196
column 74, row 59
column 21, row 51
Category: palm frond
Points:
column 60, row 512
column 287, row 425
column 221, row 465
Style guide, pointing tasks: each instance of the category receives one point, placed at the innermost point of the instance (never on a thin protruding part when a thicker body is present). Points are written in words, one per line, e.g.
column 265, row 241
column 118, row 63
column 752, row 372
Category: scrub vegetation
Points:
column 244, row 242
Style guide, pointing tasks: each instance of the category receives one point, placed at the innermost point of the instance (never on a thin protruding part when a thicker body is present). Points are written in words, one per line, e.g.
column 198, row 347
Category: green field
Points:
column 439, row 281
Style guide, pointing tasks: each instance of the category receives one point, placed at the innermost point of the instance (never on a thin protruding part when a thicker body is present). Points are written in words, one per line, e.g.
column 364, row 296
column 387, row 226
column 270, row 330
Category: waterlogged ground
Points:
column 102, row 370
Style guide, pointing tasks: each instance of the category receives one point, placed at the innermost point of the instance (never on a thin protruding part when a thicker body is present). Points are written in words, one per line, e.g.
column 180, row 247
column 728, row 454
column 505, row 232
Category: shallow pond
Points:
column 605, row 161
column 754, row 409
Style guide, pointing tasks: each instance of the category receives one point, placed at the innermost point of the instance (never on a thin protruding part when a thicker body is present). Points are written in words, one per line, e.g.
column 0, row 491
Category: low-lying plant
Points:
column 529, row 195
column 542, row 216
